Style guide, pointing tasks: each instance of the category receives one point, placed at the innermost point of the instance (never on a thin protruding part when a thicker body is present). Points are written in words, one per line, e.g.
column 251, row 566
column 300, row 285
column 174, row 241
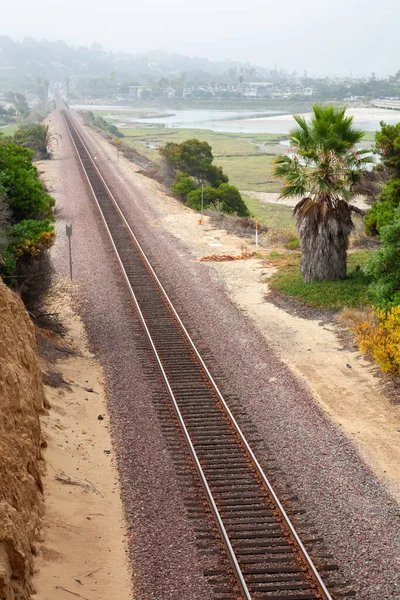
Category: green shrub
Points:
column 293, row 244
column 226, row 198
column 232, row 201
column 183, row 184
column 384, row 266
column 380, row 215
column 31, row 237
column 210, row 197
column 19, row 179
column 8, row 264
column 216, row 176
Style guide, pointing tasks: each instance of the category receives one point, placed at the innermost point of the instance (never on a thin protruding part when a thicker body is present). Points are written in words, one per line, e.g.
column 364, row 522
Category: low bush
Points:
column 19, row 181
column 380, row 338
column 380, row 215
column 232, row 201
column 384, row 266
column 31, row 237
column 293, row 244
column 210, row 198
column 183, row 185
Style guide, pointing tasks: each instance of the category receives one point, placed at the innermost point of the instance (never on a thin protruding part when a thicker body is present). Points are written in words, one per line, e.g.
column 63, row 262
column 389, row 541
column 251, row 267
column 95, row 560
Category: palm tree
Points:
column 38, row 138
column 323, row 169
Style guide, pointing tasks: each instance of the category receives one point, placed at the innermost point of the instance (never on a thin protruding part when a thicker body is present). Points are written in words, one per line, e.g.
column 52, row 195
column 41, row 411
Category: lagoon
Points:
column 240, row 121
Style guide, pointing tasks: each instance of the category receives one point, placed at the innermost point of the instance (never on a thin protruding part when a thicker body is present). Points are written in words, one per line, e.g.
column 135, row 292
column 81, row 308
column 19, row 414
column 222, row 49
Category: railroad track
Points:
column 267, row 556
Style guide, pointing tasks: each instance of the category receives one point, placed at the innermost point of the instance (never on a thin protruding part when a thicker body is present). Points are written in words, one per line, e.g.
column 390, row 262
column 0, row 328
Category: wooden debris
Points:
column 226, row 257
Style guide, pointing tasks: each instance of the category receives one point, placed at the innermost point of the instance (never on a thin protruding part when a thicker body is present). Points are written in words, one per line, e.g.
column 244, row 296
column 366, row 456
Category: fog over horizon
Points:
column 321, row 38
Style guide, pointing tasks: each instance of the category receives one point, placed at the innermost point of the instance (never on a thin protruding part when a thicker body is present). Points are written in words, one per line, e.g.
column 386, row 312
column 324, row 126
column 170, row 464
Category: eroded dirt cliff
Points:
column 21, row 400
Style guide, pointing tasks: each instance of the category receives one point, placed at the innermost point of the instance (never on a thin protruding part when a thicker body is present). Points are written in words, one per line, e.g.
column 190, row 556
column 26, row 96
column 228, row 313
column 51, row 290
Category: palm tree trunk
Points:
column 324, row 245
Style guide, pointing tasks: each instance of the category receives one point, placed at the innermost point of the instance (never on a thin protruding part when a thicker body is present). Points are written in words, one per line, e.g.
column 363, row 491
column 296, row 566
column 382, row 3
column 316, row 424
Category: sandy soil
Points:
column 82, row 554
column 352, row 396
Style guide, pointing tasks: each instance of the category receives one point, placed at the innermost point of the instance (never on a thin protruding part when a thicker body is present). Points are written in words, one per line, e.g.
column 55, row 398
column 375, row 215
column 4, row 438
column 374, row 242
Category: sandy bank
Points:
column 82, row 553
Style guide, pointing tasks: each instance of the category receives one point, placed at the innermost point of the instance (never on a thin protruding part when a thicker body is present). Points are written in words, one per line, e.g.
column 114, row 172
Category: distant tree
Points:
column 19, row 102
column 192, row 157
column 216, row 176
column 322, row 169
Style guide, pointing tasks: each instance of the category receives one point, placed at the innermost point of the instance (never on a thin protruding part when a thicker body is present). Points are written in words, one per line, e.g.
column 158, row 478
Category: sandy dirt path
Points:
column 82, row 552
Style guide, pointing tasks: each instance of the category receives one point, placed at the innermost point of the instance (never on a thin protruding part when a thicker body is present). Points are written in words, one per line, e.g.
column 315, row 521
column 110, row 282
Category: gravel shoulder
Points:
column 319, row 419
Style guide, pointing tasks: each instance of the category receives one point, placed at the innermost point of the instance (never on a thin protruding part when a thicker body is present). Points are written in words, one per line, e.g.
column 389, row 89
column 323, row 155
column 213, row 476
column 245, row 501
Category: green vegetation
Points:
column 19, row 181
column 275, row 216
column 384, row 266
column 388, row 147
column 26, row 232
column 99, row 123
column 31, row 237
column 353, row 291
column 192, row 163
column 247, row 158
column 10, row 129
column 323, row 171
column 38, row 138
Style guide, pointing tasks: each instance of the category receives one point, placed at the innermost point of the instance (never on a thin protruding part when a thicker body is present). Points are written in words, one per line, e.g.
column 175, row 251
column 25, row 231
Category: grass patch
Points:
column 10, row 129
column 351, row 292
column 276, row 216
column 250, row 172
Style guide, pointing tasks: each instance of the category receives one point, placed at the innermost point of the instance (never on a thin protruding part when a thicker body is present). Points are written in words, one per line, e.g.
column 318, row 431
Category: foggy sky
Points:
column 320, row 36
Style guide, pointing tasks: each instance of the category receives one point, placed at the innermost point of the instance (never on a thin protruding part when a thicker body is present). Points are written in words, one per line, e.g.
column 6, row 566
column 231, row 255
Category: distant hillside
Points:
column 23, row 62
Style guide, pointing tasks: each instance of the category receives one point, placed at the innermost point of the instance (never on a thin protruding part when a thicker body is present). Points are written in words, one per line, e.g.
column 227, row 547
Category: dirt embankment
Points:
column 21, row 400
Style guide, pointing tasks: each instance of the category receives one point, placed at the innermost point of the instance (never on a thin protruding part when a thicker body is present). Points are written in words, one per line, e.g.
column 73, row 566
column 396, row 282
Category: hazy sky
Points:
column 335, row 36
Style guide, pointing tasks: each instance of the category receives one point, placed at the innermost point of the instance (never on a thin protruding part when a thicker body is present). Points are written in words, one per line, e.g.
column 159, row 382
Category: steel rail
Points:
column 217, row 516
column 325, row 594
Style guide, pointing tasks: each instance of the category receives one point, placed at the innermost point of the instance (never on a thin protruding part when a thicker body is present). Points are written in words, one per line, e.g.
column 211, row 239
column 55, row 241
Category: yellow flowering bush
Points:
column 32, row 237
column 380, row 338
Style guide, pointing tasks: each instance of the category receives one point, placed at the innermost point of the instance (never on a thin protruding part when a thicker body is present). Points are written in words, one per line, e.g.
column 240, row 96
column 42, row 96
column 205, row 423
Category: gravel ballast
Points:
column 349, row 507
